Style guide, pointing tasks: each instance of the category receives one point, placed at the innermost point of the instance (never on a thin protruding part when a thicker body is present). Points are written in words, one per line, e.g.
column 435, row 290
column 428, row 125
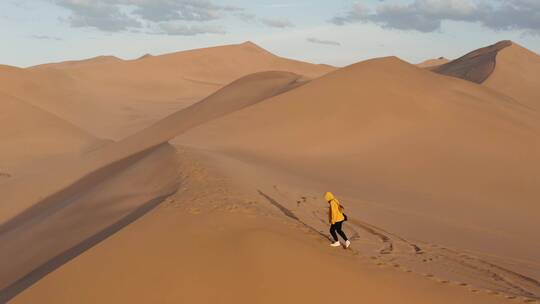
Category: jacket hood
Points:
column 329, row 196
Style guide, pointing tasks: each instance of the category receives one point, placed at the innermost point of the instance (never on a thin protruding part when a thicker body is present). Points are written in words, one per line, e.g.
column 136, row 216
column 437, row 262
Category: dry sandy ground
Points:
column 208, row 243
column 438, row 176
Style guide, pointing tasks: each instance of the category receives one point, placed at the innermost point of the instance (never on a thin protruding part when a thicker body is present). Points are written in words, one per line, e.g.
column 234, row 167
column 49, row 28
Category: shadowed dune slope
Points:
column 126, row 96
column 75, row 200
column 29, row 134
column 83, row 214
column 441, row 159
column 475, row 66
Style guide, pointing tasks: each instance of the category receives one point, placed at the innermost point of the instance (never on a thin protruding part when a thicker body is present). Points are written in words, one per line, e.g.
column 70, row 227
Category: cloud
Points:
column 515, row 15
column 279, row 23
column 186, row 10
column 98, row 14
column 120, row 15
column 44, row 37
column 247, row 17
column 428, row 15
column 358, row 12
column 189, row 30
column 325, row 42
column 283, row 5
column 164, row 15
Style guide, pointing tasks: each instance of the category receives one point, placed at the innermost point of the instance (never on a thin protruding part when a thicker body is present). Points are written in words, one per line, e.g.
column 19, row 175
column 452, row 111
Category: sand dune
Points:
column 516, row 75
column 78, row 63
column 29, row 135
column 67, row 223
column 438, row 176
column 416, row 152
column 206, row 244
column 505, row 66
column 77, row 201
column 254, row 88
column 431, row 63
column 127, row 96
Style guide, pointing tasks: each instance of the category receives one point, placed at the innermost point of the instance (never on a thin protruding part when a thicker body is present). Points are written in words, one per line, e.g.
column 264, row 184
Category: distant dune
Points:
column 29, row 135
column 475, row 66
column 78, row 63
column 505, row 66
column 517, row 75
column 127, row 96
column 431, row 63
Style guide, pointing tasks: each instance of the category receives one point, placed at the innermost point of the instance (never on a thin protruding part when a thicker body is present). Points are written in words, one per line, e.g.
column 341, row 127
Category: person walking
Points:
column 336, row 217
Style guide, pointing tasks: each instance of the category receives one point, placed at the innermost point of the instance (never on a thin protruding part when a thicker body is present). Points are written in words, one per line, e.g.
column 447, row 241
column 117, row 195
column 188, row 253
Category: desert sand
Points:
column 220, row 200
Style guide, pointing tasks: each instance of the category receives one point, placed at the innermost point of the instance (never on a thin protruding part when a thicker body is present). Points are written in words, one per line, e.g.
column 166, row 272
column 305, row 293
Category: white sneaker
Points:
column 335, row 244
column 347, row 244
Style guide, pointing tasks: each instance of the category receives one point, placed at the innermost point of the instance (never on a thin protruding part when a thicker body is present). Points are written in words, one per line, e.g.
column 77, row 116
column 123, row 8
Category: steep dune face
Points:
column 80, row 201
column 29, row 134
column 475, row 66
column 437, row 156
column 68, row 223
column 505, row 66
column 114, row 98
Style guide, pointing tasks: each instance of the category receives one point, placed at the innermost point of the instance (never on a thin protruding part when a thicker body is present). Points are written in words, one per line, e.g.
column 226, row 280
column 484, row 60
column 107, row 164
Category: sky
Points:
column 337, row 32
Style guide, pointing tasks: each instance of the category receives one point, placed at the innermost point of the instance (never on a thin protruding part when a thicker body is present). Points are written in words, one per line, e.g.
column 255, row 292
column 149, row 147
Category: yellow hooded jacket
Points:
column 334, row 212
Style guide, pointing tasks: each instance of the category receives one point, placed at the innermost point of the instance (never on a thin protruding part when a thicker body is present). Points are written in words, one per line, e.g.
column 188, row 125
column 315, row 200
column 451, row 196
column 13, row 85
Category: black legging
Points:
column 337, row 228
